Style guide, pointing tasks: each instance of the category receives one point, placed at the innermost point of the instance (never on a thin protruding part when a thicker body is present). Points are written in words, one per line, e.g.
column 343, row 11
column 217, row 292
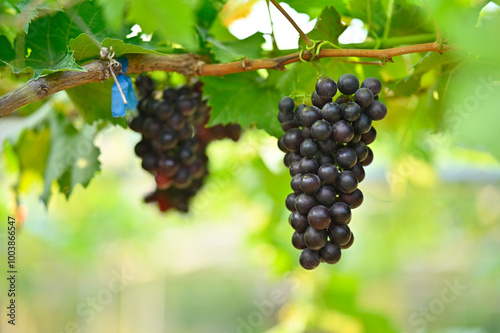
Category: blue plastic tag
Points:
column 118, row 107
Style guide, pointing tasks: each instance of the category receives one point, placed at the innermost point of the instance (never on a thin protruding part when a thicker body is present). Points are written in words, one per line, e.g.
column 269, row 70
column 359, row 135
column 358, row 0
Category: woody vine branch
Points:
column 189, row 65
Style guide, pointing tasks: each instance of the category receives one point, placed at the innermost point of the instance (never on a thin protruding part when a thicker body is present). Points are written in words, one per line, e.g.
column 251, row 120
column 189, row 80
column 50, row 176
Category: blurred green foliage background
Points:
column 425, row 257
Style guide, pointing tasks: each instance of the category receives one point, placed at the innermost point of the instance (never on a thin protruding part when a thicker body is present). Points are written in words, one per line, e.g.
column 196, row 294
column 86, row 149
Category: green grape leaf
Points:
column 228, row 51
column 72, row 157
column 93, row 102
column 6, row 51
column 431, row 60
column 328, row 26
column 85, row 47
column 30, row 10
column 45, row 48
column 32, row 149
column 174, row 20
column 244, row 98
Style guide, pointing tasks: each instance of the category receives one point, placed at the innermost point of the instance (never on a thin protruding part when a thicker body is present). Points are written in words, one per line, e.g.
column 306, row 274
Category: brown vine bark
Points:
column 186, row 64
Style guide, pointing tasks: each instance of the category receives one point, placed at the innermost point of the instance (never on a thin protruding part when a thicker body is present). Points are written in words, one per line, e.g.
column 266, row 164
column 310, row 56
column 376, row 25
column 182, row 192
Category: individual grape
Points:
column 326, row 195
column 309, row 183
column 361, row 150
column 308, row 165
column 315, row 239
column 363, row 124
column 294, row 168
column 285, row 117
column 169, row 165
column 376, row 111
column 298, row 221
column 330, row 253
column 291, row 157
column 286, row 104
column 137, row 124
column 347, row 181
column 142, row 148
column 331, row 112
column 364, row 97
column 298, row 241
column 292, row 139
column 295, row 183
column 342, row 131
column 167, row 138
column 182, row 178
column 303, row 203
column 356, row 138
column 281, row 145
column 369, row 158
column 197, row 168
column 290, row 202
column 351, row 112
column 308, row 116
column 342, row 99
column 321, row 130
column 286, row 126
column 176, row 122
column 299, row 108
column 145, row 86
column 349, row 244
column 309, row 259
column 373, row 84
column 328, row 173
column 346, row 157
column 319, row 217
column 339, row 234
column 186, row 155
column 319, row 101
column 370, row 136
column 353, row 200
column 149, row 162
column 348, row 84
column 170, row 95
column 164, row 110
column 151, row 127
column 186, row 133
column 147, row 106
column 308, row 148
column 327, row 146
column 359, row 172
column 162, row 181
column 326, row 87
column 341, row 213
column 306, row 132
column 323, row 158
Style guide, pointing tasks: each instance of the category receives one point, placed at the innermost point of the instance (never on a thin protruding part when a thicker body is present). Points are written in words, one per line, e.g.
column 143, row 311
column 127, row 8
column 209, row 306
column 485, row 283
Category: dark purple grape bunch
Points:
column 174, row 141
column 326, row 150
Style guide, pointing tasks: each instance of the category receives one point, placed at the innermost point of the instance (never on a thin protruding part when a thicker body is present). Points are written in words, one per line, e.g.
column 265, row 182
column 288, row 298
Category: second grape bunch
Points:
column 326, row 146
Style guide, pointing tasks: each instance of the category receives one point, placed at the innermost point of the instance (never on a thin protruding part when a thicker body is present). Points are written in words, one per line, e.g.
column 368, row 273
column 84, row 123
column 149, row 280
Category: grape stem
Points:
column 189, row 65
column 285, row 14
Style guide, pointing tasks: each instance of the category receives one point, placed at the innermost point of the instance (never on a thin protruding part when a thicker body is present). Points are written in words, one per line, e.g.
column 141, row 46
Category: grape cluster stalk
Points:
column 174, row 140
column 326, row 148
